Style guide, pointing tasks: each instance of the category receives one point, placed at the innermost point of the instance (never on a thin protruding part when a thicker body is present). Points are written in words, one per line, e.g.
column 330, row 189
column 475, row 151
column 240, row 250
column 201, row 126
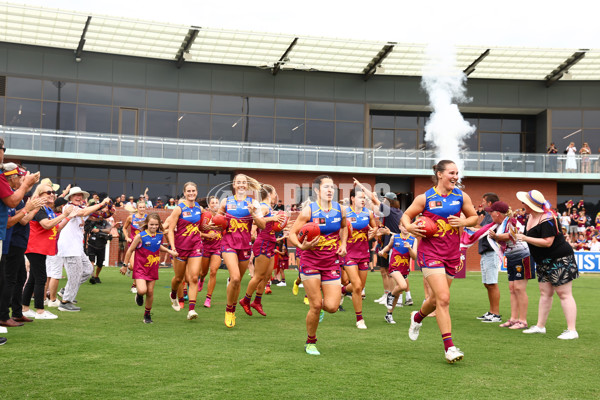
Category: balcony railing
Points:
column 131, row 147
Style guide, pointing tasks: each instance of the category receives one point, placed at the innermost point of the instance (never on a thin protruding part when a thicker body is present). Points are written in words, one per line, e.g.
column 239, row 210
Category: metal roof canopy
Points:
column 277, row 52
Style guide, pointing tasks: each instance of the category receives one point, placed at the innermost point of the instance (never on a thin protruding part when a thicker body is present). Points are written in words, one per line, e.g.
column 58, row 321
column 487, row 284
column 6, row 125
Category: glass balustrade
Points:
column 132, row 147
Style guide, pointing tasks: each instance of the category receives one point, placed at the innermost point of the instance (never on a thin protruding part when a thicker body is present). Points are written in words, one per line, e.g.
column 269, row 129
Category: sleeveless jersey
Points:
column 187, row 235
column 323, row 255
column 445, row 244
column 358, row 243
column 267, row 234
column 212, row 245
column 147, row 256
column 238, row 235
column 400, row 255
column 136, row 225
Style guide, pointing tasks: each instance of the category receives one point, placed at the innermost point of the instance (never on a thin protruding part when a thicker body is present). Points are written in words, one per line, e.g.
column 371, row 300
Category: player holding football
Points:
column 263, row 249
column 241, row 211
column 211, row 252
column 186, row 241
column 439, row 255
column 320, row 263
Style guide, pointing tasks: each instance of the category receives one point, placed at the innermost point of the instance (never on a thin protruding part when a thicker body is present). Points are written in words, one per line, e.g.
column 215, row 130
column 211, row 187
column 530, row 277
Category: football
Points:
column 221, row 221
column 205, row 220
column 278, row 226
column 309, row 232
column 427, row 223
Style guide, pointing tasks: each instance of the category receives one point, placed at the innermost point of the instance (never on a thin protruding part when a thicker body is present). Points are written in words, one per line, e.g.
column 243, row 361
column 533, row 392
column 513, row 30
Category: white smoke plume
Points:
column 444, row 82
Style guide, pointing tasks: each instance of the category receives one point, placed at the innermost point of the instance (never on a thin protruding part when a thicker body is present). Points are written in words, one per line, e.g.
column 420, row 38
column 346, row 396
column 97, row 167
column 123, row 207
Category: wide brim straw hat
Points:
column 534, row 199
column 77, row 190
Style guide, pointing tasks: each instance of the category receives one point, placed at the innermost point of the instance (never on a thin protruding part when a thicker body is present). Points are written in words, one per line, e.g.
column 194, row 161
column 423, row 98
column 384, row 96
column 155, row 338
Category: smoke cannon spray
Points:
column 446, row 129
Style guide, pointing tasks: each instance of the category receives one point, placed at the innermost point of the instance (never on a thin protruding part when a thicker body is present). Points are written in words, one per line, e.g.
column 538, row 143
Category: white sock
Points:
column 408, row 296
column 400, row 299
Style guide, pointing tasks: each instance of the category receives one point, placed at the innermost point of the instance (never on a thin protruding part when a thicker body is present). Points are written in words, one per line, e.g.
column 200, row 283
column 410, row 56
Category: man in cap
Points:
column 70, row 247
column 98, row 228
column 489, row 263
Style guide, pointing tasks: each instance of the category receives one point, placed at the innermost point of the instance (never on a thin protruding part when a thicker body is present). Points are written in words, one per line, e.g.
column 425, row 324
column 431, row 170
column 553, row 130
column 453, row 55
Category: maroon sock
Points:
column 192, row 304
column 358, row 315
column 208, row 295
column 258, row 298
column 247, row 298
column 181, row 300
column 311, row 339
column 229, row 308
column 173, row 294
column 419, row 317
column 147, row 311
column 447, row 338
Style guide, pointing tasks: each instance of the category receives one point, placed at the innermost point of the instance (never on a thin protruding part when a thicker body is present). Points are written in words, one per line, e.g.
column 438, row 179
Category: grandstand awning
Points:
column 64, row 29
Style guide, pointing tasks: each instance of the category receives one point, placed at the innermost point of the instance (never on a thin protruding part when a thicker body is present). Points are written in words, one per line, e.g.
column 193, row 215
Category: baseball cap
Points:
column 391, row 196
column 499, row 206
column 14, row 169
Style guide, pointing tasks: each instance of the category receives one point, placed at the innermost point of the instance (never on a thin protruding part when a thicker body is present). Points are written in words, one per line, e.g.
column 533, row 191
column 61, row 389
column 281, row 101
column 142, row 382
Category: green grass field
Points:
column 105, row 351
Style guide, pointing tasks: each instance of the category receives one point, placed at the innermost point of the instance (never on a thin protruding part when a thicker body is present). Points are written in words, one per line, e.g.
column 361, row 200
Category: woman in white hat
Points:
column 556, row 265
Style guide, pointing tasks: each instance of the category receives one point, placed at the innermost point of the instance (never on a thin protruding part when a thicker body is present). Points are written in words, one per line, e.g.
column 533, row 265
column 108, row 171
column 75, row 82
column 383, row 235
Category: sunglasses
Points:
column 48, row 192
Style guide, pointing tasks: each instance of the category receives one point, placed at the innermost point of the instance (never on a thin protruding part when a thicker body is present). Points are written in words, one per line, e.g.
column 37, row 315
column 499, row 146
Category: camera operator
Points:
column 97, row 229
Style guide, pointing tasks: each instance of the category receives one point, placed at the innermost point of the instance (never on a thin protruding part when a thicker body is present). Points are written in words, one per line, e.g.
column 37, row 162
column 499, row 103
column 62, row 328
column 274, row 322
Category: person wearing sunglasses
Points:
column 44, row 230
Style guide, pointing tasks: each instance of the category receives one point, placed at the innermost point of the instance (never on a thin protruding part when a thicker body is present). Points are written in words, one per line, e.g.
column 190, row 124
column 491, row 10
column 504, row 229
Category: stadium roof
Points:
column 276, row 52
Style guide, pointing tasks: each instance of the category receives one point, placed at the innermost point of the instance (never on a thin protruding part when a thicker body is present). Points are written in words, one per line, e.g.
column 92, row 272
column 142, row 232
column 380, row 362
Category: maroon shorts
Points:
column 183, row 255
column 362, row 265
column 326, row 276
column 243, row 255
column 211, row 247
column 450, row 266
column 264, row 248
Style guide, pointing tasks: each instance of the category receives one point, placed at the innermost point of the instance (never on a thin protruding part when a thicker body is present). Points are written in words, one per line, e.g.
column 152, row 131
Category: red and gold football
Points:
column 221, row 221
column 205, row 220
column 278, row 226
column 428, row 225
column 309, row 232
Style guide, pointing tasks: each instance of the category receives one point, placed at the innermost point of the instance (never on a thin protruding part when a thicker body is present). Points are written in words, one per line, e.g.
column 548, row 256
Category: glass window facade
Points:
column 577, row 126
column 64, row 105
column 494, row 133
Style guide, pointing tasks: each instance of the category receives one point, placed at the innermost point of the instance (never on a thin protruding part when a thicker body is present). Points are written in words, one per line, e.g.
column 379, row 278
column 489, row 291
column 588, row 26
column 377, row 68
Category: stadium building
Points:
column 118, row 105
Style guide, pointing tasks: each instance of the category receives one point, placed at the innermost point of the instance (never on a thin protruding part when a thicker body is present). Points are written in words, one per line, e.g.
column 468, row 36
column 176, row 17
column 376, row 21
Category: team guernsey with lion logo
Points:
column 320, row 262
column 442, row 250
column 439, row 255
column 147, row 246
column 147, row 256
